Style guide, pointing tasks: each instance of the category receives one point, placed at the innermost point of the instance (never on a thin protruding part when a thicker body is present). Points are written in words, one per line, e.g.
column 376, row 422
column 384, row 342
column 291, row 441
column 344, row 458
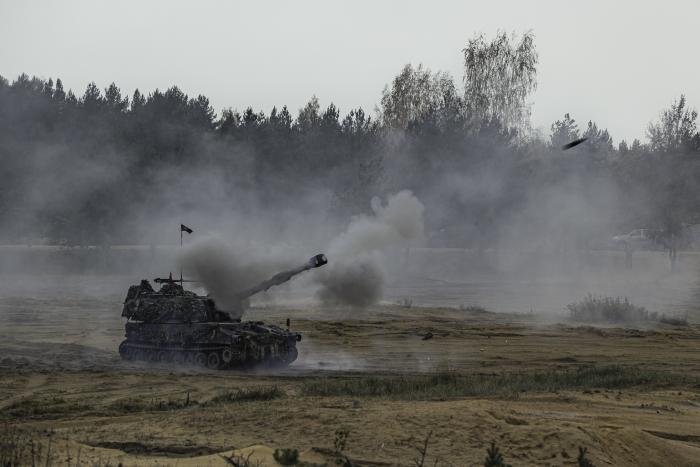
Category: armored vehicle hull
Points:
column 213, row 345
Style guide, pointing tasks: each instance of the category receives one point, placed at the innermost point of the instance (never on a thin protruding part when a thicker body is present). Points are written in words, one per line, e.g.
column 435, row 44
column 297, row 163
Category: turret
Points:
column 173, row 303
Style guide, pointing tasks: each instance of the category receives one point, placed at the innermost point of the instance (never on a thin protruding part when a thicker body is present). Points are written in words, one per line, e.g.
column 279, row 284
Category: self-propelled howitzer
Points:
column 174, row 325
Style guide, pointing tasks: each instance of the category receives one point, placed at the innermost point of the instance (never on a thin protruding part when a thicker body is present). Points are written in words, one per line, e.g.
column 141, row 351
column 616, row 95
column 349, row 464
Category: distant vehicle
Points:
column 688, row 238
column 638, row 239
column 691, row 236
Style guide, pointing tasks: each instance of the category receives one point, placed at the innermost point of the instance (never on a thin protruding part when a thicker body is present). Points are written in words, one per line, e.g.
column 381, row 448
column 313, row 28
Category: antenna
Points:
column 183, row 228
column 180, row 255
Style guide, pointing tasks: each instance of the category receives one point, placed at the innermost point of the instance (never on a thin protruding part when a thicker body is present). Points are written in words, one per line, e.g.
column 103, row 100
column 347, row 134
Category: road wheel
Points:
column 152, row 356
column 200, row 359
column 189, row 358
column 126, row 352
column 179, row 358
column 213, row 361
column 163, row 356
column 138, row 355
column 290, row 356
column 227, row 356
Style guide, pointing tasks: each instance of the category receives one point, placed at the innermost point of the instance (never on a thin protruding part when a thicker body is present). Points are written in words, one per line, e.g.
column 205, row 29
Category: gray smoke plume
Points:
column 357, row 282
column 226, row 268
column 354, row 275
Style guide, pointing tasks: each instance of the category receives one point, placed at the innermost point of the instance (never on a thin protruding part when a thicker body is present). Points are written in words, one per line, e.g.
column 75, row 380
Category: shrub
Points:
column 673, row 321
column 341, row 439
column 472, row 308
column 607, row 310
column 494, row 458
column 582, row 459
column 240, row 461
column 286, row 456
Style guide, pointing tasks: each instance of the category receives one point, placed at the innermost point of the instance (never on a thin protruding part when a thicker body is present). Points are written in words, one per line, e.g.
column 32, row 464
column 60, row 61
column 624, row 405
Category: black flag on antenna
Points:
column 184, row 228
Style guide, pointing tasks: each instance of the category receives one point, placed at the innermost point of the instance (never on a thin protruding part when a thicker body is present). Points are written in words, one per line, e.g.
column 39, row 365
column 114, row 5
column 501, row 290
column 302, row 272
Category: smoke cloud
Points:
column 356, row 282
column 226, row 268
column 355, row 275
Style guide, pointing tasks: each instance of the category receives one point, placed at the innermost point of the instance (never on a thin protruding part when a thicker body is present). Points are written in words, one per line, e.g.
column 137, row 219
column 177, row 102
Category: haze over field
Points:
column 459, row 129
column 118, row 165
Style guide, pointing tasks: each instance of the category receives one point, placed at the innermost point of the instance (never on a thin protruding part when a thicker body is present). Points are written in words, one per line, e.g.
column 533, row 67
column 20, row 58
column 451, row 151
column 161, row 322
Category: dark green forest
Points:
column 96, row 167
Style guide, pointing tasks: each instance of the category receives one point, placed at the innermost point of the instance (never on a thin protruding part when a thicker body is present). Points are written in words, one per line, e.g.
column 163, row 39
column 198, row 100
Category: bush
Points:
column 240, row 461
column 582, row 459
column 607, row 310
column 341, row 439
column 472, row 308
column 494, row 458
column 286, row 456
column 673, row 321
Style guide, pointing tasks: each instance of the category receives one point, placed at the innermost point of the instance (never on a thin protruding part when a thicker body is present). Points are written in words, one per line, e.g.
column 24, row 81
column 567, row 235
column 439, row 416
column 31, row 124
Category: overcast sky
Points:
column 615, row 62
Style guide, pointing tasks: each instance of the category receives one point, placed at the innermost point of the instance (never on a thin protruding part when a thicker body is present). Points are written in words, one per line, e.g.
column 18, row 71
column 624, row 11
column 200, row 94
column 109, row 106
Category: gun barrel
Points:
column 282, row 277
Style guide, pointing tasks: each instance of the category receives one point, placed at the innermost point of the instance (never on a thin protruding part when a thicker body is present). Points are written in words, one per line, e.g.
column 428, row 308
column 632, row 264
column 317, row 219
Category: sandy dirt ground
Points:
column 62, row 384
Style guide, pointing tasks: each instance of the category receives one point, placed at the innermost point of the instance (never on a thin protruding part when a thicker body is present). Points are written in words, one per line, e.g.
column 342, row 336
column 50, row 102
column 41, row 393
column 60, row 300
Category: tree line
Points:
column 88, row 169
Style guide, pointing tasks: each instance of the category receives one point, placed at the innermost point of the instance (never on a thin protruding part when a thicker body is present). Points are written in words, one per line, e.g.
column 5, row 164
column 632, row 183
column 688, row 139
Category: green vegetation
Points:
column 472, row 308
column 21, row 447
column 41, row 407
column 286, row 456
column 582, row 460
column 341, row 439
column 262, row 393
column 447, row 385
column 132, row 404
column 240, row 461
column 607, row 310
column 14, row 446
column 339, row 444
column 494, row 458
column 620, row 311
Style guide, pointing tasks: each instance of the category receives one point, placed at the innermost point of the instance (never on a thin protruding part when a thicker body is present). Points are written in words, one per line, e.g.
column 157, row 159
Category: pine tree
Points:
column 59, row 94
column 137, row 101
